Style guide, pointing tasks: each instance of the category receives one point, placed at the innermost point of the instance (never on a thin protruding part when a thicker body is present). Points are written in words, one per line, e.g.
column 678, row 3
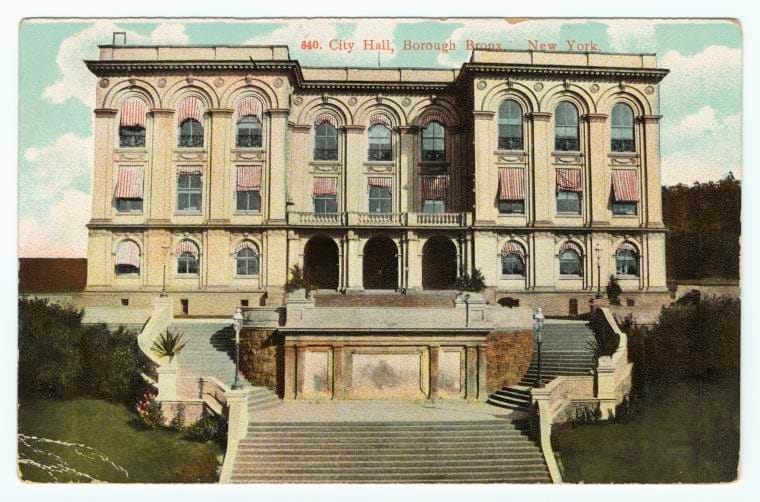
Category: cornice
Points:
column 629, row 74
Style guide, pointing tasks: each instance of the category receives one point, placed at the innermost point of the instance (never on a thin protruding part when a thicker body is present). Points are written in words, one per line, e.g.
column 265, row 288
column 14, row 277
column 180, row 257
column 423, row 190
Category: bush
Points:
column 606, row 341
column 208, row 428
column 178, row 422
column 474, row 283
column 613, row 290
column 298, row 281
column 150, row 412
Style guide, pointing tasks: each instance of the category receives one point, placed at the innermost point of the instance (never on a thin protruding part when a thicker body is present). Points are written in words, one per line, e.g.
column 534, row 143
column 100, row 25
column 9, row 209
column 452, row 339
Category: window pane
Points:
column 130, row 137
column 569, row 263
column 512, row 264
column 195, row 201
column 623, row 208
column 433, row 206
column 568, row 202
column 511, row 206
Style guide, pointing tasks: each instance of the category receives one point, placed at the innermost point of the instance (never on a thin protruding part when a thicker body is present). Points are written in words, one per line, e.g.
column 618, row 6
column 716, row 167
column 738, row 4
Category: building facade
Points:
column 218, row 169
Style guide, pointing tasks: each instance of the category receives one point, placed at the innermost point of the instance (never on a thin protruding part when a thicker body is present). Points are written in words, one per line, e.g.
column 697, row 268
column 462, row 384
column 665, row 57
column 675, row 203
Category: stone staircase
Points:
column 565, row 351
column 488, row 451
column 210, row 351
column 386, row 300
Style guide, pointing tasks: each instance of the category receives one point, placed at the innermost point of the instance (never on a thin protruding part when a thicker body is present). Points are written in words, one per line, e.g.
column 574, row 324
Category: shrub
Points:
column 178, row 422
column 208, row 428
column 149, row 411
column 168, row 344
column 606, row 341
column 298, row 281
column 613, row 290
column 474, row 283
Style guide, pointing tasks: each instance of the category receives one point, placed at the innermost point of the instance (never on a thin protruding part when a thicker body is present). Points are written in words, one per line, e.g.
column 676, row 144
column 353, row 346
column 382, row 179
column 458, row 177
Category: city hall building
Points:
column 218, row 169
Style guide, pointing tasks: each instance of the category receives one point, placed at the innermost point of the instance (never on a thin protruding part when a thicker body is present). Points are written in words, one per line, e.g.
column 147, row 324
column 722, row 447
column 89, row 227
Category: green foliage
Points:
column 298, row 280
column 606, row 341
column 704, row 229
column 168, row 344
column 613, row 290
column 208, row 428
column 178, row 422
column 474, row 283
column 59, row 357
column 150, row 412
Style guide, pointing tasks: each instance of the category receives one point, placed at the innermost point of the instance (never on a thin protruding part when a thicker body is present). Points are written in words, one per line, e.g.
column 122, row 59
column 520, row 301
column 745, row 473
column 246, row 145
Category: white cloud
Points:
column 627, row 35
column 716, row 70
column 710, row 149
column 61, row 233
column 76, row 81
column 57, row 166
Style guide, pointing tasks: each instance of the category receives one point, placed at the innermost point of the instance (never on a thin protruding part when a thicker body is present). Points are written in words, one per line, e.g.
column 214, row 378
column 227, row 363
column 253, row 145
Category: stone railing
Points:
column 159, row 320
column 302, row 218
column 437, row 219
column 376, row 218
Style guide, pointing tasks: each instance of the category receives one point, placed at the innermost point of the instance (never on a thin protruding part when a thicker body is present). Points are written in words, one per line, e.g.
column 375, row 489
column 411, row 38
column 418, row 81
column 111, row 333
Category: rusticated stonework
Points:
column 508, row 356
column 259, row 350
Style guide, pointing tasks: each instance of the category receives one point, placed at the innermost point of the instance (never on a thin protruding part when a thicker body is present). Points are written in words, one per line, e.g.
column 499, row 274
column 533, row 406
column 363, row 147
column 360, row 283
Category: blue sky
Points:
column 700, row 99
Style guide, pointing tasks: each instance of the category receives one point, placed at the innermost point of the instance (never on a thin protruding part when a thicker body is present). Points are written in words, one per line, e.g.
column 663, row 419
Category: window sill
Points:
column 511, row 215
column 568, row 215
column 127, row 276
column 510, row 152
column 627, row 277
column 512, row 277
column 380, row 163
column 570, row 277
column 131, row 149
column 188, row 213
column 242, row 212
column 186, row 276
column 246, row 277
column 128, row 213
column 626, row 216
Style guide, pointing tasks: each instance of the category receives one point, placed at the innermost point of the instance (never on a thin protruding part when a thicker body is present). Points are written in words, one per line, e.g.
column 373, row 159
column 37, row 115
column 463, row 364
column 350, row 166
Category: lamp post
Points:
column 538, row 328
column 238, row 324
column 598, row 251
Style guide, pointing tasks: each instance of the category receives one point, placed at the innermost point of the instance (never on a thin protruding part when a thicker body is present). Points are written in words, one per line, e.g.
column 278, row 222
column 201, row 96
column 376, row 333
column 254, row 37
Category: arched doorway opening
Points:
column 380, row 267
column 320, row 263
column 439, row 264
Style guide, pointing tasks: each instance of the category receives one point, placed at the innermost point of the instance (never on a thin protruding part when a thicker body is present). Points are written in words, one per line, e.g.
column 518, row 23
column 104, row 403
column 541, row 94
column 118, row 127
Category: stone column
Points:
column 482, row 375
column 338, row 386
column 435, row 355
column 650, row 162
column 161, row 166
column 220, row 172
column 103, row 169
column 354, row 262
column 406, row 168
column 486, row 182
column 471, row 368
column 276, row 264
column 413, row 261
column 290, row 372
column 299, row 191
column 277, row 189
column 158, row 250
column 542, row 180
column 599, row 175
column 167, row 381
column 354, row 188
column 605, row 386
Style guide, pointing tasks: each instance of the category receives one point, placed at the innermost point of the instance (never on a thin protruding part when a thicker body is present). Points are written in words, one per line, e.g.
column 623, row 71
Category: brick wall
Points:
column 260, row 357
column 508, row 357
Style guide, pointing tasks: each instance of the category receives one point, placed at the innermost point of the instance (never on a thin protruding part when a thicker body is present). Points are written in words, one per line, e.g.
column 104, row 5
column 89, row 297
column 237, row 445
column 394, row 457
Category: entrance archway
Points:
column 439, row 264
column 320, row 262
column 380, row 267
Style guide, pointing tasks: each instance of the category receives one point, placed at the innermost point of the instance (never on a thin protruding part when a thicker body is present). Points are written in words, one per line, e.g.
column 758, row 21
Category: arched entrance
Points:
column 320, row 263
column 439, row 264
column 380, row 267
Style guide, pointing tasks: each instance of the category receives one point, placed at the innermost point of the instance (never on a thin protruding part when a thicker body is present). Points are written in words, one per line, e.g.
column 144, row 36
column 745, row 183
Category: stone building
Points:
column 217, row 169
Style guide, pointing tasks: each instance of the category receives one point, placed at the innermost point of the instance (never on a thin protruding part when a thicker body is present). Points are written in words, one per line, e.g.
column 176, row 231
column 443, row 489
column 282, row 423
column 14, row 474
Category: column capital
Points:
column 353, row 129
column 105, row 112
column 650, row 119
column 408, row 129
column 483, row 115
column 302, row 128
column 220, row 111
column 596, row 117
column 278, row 112
column 540, row 116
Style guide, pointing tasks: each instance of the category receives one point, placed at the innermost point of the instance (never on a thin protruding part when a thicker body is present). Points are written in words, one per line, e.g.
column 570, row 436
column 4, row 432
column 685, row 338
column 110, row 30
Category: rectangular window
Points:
column 189, row 193
column 433, row 207
column 568, row 202
column 624, row 208
column 325, row 204
column 249, row 201
column 185, row 306
column 129, row 205
column 379, row 200
column 511, row 206
column 510, row 137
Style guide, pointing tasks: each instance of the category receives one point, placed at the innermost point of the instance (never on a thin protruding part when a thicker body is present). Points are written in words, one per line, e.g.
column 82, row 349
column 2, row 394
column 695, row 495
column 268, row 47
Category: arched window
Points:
column 132, row 123
column 570, row 261
column 190, row 134
column 248, row 132
column 510, row 126
column 622, row 129
column 326, row 142
column 187, row 258
column 627, row 260
column 512, row 264
column 566, row 132
column 127, row 259
column 379, row 143
column 247, row 260
column 434, row 142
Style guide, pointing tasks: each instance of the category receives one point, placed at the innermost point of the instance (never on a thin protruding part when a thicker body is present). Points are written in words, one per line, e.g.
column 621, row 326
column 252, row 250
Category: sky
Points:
column 700, row 99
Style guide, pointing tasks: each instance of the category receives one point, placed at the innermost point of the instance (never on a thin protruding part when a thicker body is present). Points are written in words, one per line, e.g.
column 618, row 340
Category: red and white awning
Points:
column 189, row 170
column 570, row 246
column 627, row 246
column 432, row 117
column 248, row 178
column 187, row 246
column 380, row 182
column 569, row 180
column 434, row 187
column 380, row 119
column 248, row 106
column 246, row 245
column 132, row 113
column 129, row 184
column 325, row 187
column 190, row 108
column 326, row 117
column 128, row 253
column 625, row 186
column 513, row 247
column 511, row 184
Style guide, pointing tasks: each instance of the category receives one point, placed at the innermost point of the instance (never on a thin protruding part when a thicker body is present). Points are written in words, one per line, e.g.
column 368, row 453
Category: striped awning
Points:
column 434, row 187
column 511, row 184
column 432, row 117
column 569, row 180
column 627, row 246
column 326, row 117
column 132, row 113
column 189, row 170
column 380, row 182
column 513, row 247
column 248, row 107
column 187, row 246
column 625, row 186
column 128, row 253
column 129, row 184
column 325, row 186
column 190, row 108
column 380, row 119
column 570, row 246
column 246, row 245
column 248, row 178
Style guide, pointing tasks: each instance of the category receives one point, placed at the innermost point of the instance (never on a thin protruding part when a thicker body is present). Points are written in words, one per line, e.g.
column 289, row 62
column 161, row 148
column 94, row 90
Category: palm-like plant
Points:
column 168, row 344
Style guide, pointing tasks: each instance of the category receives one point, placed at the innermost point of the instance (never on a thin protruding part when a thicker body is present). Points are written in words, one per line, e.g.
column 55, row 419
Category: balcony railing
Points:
column 381, row 219
column 376, row 219
column 437, row 219
column 300, row 218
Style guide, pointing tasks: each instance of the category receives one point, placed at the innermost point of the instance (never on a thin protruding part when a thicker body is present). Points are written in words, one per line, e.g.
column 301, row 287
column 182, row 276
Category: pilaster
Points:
column 278, row 144
column 599, row 174
column 103, row 175
column 161, row 172
column 651, row 171
column 219, row 169
column 485, row 174
column 542, row 175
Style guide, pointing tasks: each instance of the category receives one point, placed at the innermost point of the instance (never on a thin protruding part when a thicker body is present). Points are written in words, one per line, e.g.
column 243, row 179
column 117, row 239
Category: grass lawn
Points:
column 686, row 431
column 112, row 446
